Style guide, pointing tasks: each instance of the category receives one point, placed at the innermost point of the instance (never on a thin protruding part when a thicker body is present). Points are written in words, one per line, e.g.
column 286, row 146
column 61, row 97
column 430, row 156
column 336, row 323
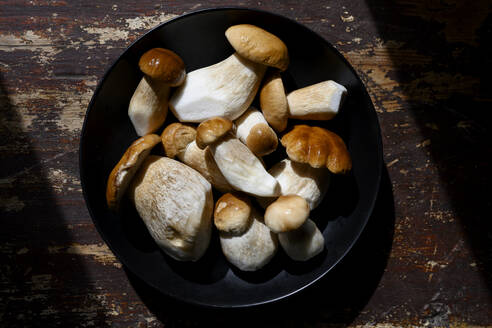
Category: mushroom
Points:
column 318, row 147
column 320, row 101
column 273, row 101
column 148, row 107
column 253, row 249
column 123, row 172
column 227, row 89
column 179, row 141
column 241, row 168
column 286, row 213
column 303, row 243
column 176, row 137
column 212, row 130
column 233, row 213
column 176, row 203
column 299, row 179
column 253, row 130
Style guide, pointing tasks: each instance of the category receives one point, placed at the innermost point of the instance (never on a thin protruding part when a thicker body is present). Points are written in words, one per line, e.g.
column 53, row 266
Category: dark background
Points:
column 425, row 257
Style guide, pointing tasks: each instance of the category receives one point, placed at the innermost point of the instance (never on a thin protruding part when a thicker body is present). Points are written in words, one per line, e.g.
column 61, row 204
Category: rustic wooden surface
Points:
column 426, row 261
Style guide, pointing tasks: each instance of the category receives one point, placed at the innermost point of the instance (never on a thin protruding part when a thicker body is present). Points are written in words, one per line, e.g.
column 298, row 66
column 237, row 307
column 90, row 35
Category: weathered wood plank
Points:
column 424, row 64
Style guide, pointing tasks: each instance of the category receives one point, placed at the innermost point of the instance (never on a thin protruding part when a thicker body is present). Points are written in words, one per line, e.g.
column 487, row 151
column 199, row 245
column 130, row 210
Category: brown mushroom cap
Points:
column 176, row 137
column 212, row 130
column 262, row 140
column 273, row 101
column 258, row 45
column 232, row 213
column 318, row 147
column 123, row 172
column 287, row 213
column 163, row 65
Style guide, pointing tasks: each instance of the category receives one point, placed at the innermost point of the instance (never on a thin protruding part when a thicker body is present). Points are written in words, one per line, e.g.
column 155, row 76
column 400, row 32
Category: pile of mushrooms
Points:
column 218, row 144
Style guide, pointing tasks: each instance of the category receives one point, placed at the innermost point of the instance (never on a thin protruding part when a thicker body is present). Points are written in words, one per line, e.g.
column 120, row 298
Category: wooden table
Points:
column 425, row 257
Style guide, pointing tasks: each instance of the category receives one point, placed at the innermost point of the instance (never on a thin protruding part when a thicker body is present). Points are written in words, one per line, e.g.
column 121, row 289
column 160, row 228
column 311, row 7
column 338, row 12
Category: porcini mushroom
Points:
column 253, row 130
column 176, row 137
column 123, row 172
column 318, row 147
column 302, row 243
column 176, row 203
column 253, row 249
column 212, row 130
column 273, row 101
column 320, row 101
column 179, row 141
column 233, row 213
column 258, row 45
column 226, row 89
column 299, row 179
column 241, row 168
column 149, row 104
column 286, row 213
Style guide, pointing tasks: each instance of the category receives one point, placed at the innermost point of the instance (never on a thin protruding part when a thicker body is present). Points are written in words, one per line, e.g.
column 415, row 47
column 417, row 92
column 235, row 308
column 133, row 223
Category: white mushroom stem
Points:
column 242, row 169
column 253, row 249
column 299, row 179
column 225, row 89
column 148, row 106
column 303, row 243
column 245, row 123
column 253, row 130
column 203, row 161
column 320, row 101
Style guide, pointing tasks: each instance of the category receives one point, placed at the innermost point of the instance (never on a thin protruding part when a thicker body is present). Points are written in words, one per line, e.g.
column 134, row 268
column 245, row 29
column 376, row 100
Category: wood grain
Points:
column 426, row 66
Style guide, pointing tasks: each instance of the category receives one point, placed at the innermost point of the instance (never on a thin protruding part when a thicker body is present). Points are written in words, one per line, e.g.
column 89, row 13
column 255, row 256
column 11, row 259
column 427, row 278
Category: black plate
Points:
column 199, row 39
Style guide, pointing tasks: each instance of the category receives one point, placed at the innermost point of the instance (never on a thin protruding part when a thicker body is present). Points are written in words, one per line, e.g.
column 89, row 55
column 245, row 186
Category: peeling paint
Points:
column 71, row 104
column 147, row 22
column 106, row 34
column 424, row 143
column 23, row 250
column 393, row 162
column 357, row 40
column 49, row 311
column 347, row 19
column 441, row 216
column 60, row 180
column 30, row 41
column 73, row 111
column 100, row 252
column 431, row 265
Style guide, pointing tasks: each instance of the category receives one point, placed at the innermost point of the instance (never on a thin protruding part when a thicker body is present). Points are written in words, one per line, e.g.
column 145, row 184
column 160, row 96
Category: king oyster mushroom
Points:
column 226, row 89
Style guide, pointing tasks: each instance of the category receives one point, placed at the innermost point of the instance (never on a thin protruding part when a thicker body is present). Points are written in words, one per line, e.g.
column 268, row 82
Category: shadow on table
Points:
column 447, row 89
column 336, row 299
column 36, row 276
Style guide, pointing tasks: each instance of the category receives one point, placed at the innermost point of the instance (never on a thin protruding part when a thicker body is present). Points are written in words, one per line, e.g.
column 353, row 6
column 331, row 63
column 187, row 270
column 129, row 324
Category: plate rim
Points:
column 372, row 112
